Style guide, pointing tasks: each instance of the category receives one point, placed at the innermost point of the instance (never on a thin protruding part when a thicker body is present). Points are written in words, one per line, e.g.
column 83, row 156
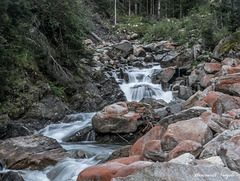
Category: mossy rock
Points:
column 231, row 43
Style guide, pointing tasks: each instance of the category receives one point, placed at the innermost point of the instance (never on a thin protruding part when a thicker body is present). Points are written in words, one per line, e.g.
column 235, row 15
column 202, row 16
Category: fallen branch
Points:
column 123, row 138
column 97, row 37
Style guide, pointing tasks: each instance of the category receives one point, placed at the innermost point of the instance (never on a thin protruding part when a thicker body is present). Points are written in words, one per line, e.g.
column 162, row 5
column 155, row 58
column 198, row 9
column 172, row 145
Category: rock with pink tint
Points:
column 212, row 67
column 186, row 146
column 132, row 168
column 155, row 133
column 194, row 129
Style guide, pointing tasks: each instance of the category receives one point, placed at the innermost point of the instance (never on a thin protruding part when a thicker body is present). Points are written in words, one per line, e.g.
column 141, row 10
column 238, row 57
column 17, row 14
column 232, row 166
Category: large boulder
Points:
column 233, row 70
column 121, row 50
column 49, row 108
column 186, row 146
column 169, row 59
column 11, row 176
column 229, row 84
column 33, row 152
column 121, row 117
column 139, row 52
column 101, row 90
column 132, row 168
column 179, row 172
column 229, row 152
column 184, row 92
column 127, row 160
column 221, row 103
column 206, row 80
column 212, row 68
column 11, row 129
column 150, row 147
column 101, row 172
column 194, row 129
column 190, row 102
column 121, row 152
column 215, row 122
column 163, row 75
column 185, row 158
column 231, row 62
column 212, row 147
column 181, row 116
column 154, row 134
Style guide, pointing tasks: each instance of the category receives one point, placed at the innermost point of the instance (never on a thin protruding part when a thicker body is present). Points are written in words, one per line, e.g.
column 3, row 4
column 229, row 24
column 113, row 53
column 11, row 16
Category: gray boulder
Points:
column 181, row 116
column 33, row 152
column 182, row 172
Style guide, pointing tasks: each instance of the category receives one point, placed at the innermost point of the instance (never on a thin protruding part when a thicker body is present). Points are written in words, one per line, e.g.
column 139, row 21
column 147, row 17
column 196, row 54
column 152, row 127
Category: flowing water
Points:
column 68, row 169
column 137, row 86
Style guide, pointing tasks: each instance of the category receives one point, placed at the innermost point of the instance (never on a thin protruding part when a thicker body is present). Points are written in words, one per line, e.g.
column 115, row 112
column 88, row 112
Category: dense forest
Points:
column 47, row 36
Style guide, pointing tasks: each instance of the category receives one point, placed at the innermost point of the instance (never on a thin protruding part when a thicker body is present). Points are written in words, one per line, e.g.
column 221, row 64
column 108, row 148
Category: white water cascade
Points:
column 139, row 85
column 68, row 169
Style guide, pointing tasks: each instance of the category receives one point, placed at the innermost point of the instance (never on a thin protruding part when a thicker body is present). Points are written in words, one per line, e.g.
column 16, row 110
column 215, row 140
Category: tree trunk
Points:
column 129, row 8
column 147, row 7
column 173, row 13
column 115, row 8
column 136, row 8
column 153, row 7
column 166, row 9
column 180, row 9
column 159, row 8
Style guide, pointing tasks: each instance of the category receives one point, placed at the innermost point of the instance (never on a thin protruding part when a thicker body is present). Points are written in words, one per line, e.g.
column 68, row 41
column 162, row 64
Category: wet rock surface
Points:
column 33, row 152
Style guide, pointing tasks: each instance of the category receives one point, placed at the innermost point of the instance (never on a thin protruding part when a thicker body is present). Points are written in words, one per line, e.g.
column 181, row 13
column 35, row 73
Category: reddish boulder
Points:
column 208, row 89
column 212, row 67
column 216, row 122
column 221, row 103
column 230, row 154
column 101, row 172
column 139, row 52
column 229, row 84
column 152, row 145
column 132, row 168
column 212, row 147
column 231, row 62
column 186, row 146
column 154, row 134
column 233, row 70
column 194, row 129
column 121, row 117
column 127, row 160
column 205, row 80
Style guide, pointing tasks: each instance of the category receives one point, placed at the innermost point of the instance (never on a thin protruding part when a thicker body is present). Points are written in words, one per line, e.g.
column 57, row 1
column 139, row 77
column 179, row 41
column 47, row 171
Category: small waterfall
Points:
column 139, row 85
column 65, row 129
column 91, row 136
column 68, row 169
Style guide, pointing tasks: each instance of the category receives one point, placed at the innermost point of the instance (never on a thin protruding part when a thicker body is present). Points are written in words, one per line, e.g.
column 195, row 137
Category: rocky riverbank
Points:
column 200, row 139
column 197, row 132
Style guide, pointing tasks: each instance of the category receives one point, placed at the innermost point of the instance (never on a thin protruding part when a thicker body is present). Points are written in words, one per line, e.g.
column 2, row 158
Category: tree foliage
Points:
column 33, row 31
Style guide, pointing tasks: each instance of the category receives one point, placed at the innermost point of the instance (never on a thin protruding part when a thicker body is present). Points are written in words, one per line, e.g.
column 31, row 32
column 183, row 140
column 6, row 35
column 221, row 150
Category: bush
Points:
column 164, row 29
